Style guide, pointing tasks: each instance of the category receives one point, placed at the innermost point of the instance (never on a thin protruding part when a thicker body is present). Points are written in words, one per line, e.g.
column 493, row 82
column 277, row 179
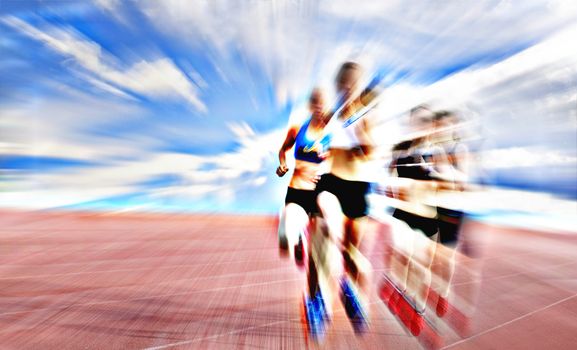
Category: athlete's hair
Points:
column 316, row 92
column 440, row 115
column 421, row 107
column 402, row 146
column 345, row 67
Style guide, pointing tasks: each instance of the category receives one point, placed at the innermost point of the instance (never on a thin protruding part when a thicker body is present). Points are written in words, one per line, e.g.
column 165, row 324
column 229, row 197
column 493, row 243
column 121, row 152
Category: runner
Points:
column 300, row 200
column 343, row 206
column 407, row 286
column 421, row 268
column 449, row 214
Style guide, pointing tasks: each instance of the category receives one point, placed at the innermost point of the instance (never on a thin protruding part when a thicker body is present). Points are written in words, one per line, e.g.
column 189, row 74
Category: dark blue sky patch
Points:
column 29, row 163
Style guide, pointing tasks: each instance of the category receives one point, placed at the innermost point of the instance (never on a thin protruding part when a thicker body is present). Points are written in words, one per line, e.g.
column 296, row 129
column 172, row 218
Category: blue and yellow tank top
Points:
column 307, row 149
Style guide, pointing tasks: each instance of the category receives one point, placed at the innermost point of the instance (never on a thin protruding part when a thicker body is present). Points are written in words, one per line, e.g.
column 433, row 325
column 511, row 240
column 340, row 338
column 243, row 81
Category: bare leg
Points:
column 324, row 258
column 419, row 277
column 293, row 223
column 357, row 265
column 333, row 215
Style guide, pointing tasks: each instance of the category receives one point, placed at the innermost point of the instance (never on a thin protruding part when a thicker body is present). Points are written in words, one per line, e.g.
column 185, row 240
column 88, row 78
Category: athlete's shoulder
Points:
column 298, row 117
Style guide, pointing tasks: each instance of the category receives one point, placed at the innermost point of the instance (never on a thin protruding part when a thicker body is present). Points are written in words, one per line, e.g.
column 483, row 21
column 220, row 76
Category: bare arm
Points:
column 366, row 150
column 287, row 145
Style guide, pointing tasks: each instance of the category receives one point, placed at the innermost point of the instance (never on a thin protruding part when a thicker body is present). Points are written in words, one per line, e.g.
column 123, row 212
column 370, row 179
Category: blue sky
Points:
column 183, row 104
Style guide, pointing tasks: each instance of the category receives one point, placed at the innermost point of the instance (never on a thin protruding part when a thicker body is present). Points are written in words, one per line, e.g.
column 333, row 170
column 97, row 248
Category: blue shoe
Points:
column 321, row 307
column 353, row 307
column 315, row 322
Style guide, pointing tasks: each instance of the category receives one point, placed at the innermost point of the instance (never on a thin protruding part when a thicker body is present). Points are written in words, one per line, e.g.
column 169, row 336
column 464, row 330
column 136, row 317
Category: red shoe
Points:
column 442, row 306
column 393, row 303
column 386, row 291
column 406, row 312
column 417, row 324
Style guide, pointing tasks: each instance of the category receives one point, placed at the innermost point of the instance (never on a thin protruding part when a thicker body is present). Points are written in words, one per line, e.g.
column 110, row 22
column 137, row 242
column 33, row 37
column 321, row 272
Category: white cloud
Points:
column 301, row 44
column 528, row 98
column 273, row 35
column 432, row 34
column 66, row 125
column 110, row 5
column 218, row 176
column 157, row 79
column 160, row 78
column 519, row 157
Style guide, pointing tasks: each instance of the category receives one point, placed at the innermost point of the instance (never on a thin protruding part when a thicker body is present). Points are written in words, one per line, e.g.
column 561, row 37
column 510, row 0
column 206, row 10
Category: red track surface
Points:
column 89, row 281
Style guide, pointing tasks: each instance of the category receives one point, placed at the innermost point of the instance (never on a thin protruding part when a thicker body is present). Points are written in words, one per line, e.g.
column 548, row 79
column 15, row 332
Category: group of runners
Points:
column 326, row 209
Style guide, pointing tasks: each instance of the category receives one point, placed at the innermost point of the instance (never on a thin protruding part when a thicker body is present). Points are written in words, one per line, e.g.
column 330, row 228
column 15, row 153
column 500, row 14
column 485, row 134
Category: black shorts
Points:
column 429, row 226
column 307, row 199
column 449, row 224
column 351, row 194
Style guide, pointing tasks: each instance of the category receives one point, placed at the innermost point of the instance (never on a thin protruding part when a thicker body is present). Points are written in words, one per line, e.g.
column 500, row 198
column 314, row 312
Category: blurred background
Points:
column 179, row 106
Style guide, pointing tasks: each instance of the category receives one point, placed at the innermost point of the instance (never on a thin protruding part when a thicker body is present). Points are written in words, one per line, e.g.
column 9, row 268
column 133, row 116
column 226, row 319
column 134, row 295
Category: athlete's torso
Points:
column 344, row 146
column 309, row 148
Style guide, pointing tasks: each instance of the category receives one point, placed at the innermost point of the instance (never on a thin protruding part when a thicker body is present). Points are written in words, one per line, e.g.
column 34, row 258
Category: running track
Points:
column 143, row 281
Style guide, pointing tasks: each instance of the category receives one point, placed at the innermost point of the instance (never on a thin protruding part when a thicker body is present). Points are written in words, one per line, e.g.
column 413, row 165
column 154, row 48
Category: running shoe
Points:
column 353, row 307
column 314, row 319
column 322, row 307
column 442, row 306
column 299, row 251
column 282, row 242
column 410, row 316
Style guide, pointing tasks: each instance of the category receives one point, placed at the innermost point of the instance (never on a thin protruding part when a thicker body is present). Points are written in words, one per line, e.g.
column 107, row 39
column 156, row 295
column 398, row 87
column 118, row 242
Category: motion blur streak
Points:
column 138, row 148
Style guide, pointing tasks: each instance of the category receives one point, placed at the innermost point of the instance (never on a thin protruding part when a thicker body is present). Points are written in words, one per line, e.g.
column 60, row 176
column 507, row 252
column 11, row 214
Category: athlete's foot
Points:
column 283, row 245
column 417, row 324
column 442, row 306
column 411, row 317
column 314, row 319
column 322, row 307
column 386, row 292
column 299, row 252
column 390, row 295
column 394, row 301
column 353, row 307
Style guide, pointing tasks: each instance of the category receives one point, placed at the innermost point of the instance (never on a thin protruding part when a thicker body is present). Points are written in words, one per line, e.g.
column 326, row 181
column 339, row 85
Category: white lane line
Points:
column 509, row 322
column 185, row 342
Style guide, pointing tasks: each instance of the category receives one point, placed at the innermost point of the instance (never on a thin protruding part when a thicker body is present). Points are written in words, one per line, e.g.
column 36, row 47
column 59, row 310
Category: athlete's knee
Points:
column 294, row 211
column 327, row 201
